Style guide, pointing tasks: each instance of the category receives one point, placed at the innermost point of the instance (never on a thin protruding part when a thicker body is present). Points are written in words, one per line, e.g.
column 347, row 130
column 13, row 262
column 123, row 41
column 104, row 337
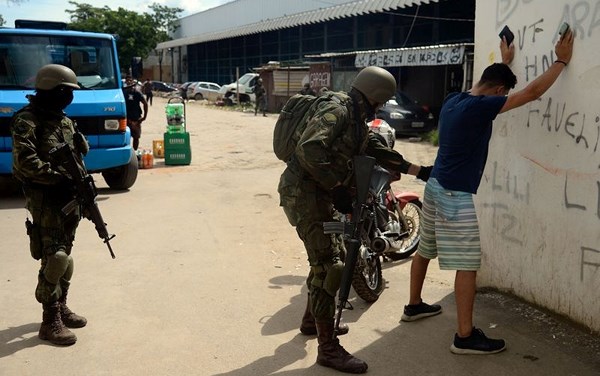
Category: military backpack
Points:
column 293, row 118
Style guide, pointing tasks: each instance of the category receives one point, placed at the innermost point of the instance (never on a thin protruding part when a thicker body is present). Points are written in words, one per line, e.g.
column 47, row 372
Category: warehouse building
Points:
column 427, row 45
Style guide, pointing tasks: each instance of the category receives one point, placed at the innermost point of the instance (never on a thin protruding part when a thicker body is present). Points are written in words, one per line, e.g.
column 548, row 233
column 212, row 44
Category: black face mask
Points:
column 56, row 99
column 369, row 110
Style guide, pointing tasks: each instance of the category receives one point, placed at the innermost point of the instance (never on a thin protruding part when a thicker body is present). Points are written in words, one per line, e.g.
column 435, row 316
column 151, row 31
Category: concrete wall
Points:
column 539, row 201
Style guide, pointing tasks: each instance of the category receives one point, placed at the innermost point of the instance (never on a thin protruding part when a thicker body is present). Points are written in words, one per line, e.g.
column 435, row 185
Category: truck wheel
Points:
column 122, row 177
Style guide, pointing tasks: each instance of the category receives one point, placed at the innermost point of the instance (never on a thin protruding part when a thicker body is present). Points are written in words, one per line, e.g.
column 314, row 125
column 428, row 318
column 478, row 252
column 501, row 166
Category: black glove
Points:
column 424, row 173
column 342, row 199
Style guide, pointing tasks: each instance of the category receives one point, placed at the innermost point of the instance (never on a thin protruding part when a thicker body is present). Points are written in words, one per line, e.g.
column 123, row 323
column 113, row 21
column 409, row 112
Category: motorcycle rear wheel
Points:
column 367, row 280
column 408, row 245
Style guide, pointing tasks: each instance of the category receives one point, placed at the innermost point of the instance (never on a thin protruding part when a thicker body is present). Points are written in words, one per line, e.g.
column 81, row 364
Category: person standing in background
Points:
column 135, row 117
column 147, row 90
column 307, row 90
column 261, row 97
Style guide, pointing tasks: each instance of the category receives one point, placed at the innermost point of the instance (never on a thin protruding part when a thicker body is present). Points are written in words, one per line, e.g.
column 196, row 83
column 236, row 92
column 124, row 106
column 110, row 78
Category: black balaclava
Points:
column 368, row 108
column 56, row 99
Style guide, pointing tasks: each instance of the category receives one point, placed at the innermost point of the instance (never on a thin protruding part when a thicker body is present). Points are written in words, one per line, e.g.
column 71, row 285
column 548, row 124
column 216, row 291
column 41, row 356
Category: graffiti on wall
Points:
column 583, row 17
column 564, row 120
column 590, row 259
column 558, row 117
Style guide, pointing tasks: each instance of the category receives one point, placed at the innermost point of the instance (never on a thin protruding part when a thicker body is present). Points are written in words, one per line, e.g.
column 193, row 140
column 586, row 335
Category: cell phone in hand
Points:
column 563, row 28
column 507, row 34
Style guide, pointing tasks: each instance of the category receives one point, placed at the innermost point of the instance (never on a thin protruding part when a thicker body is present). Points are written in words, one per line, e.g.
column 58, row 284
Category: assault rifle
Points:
column 86, row 191
column 363, row 167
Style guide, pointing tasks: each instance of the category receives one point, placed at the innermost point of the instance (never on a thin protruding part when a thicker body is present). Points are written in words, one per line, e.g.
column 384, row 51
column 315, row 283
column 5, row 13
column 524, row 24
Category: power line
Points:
column 432, row 18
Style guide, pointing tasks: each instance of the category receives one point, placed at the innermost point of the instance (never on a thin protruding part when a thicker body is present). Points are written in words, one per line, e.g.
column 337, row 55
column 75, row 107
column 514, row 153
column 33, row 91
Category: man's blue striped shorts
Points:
column 449, row 228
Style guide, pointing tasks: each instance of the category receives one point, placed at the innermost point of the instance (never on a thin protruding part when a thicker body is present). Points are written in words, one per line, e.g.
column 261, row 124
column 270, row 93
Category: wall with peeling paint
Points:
column 539, row 200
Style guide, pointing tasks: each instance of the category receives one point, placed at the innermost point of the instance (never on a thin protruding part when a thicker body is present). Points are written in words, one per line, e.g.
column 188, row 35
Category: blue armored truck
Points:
column 98, row 107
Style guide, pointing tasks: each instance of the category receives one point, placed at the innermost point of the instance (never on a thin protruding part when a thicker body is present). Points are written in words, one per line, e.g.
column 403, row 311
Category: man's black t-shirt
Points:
column 133, row 99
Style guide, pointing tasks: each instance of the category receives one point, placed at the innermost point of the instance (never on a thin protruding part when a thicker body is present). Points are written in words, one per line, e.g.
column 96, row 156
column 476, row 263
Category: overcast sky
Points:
column 54, row 10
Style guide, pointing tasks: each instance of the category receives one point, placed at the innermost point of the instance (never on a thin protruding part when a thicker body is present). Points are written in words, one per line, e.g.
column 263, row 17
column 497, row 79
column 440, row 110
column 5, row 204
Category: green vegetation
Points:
column 138, row 34
column 433, row 137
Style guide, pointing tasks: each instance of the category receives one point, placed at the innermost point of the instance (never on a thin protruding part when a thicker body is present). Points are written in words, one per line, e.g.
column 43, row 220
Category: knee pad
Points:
column 328, row 277
column 332, row 281
column 58, row 265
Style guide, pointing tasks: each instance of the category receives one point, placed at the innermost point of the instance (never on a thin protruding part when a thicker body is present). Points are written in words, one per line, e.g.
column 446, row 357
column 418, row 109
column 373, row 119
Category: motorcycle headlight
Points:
column 396, row 115
column 430, row 116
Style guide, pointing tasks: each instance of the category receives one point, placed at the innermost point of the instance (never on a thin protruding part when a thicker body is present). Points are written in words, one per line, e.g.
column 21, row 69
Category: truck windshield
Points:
column 21, row 56
column 246, row 78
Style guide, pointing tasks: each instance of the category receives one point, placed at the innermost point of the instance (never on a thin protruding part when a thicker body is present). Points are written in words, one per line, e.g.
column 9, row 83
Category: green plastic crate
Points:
column 178, row 157
column 176, row 140
column 178, row 150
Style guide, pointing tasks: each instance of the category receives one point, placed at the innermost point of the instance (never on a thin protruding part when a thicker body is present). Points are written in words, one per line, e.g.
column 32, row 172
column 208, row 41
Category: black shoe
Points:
column 477, row 343
column 414, row 312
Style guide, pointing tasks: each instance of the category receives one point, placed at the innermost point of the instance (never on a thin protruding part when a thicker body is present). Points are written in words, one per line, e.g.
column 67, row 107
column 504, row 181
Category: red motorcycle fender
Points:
column 402, row 198
column 405, row 197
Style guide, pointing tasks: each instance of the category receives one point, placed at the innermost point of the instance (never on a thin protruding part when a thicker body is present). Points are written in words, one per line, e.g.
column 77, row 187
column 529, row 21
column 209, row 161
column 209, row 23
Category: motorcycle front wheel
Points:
column 367, row 280
column 408, row 244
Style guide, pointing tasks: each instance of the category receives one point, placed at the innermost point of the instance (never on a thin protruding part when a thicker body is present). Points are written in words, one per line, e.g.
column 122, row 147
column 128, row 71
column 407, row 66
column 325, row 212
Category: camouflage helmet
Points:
column 53, row 75
column 377, row 84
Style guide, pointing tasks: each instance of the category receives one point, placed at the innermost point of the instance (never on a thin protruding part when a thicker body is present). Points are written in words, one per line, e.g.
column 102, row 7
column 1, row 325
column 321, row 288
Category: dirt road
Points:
column 209, row 280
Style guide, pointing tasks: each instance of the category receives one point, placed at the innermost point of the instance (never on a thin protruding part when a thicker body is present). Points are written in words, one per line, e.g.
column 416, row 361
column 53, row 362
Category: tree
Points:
column 138, row 34
column 8, row 2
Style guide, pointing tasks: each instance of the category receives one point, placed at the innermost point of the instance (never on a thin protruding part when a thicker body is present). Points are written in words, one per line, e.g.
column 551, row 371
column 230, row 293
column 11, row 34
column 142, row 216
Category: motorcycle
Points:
column 391, row 224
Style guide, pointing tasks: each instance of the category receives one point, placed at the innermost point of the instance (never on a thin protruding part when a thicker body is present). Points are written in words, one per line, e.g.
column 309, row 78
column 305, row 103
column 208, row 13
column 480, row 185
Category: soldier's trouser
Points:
column 307, row 206
column 54, row 238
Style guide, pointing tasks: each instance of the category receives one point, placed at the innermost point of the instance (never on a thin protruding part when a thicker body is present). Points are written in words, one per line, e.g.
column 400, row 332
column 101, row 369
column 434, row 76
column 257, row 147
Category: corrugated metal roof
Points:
column 316, row 16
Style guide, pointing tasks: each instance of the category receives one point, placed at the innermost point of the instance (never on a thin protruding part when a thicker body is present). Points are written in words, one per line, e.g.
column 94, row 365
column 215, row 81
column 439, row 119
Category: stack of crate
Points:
column 177, row 146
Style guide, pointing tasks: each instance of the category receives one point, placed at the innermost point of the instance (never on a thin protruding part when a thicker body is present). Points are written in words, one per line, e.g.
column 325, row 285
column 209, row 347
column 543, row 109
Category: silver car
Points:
column 204, row 90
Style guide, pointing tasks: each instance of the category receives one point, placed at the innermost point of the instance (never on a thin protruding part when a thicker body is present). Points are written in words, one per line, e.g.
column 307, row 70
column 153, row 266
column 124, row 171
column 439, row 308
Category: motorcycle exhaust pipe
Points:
column 380, row 245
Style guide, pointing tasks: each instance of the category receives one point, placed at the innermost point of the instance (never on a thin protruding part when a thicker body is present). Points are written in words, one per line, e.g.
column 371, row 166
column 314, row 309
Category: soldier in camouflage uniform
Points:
column 36, row 129
column 315, row 187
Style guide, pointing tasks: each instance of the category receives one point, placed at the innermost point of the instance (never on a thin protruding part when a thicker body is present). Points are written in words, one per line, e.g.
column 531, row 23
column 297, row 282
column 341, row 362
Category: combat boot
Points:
column 53, row 329
column 308, row 326
column 68, row 317
column 332, row 354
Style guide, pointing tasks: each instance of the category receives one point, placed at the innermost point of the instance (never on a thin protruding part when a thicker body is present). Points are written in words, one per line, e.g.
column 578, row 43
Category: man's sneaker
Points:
column 414, row 312
column 477, row 343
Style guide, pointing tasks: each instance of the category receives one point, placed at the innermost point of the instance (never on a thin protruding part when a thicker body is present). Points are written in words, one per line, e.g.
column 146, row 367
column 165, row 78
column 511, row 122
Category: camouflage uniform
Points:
column 321, row 160
column 47, row 190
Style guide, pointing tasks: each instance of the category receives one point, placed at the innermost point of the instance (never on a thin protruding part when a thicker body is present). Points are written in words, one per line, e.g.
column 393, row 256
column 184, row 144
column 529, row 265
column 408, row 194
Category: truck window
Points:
column 90, row 58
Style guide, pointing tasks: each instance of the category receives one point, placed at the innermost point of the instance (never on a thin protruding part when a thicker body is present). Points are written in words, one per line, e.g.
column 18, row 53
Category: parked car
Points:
column 407, row 116
column 204, row 90
column 162, row 86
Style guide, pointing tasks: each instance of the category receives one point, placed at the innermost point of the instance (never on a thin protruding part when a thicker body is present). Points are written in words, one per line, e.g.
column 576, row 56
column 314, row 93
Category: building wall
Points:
column 217, row 61
column 539, row 201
